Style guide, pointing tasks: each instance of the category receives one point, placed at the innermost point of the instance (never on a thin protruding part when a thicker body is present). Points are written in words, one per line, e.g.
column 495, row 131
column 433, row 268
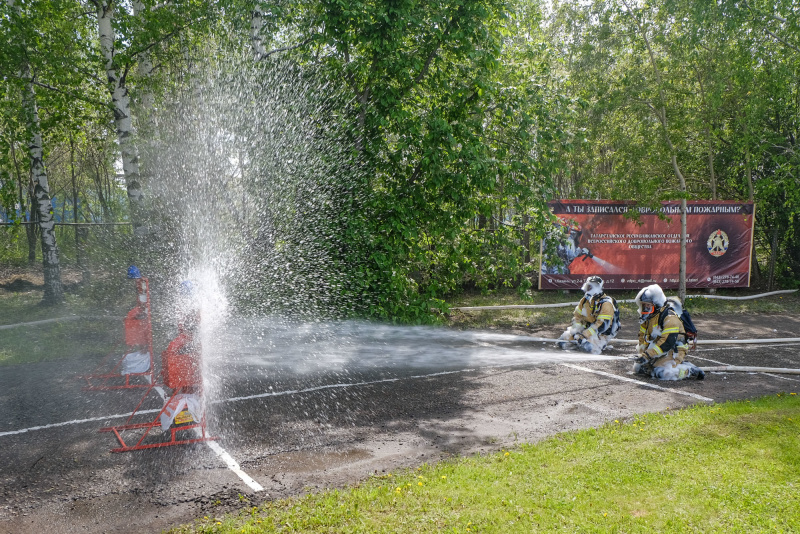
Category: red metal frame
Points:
column 109, row 379
column 156, row 422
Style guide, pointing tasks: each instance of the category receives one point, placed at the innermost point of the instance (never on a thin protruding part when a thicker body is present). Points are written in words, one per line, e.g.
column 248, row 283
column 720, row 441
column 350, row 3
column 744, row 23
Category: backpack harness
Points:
column 612, row 330
column 690, row 335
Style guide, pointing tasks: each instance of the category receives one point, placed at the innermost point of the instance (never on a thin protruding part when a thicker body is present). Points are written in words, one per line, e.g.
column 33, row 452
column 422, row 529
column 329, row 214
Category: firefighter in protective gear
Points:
column 662, row 339
column 595, row 319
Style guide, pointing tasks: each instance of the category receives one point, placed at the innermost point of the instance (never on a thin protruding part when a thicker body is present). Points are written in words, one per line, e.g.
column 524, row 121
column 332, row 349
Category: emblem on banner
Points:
column 717, row 243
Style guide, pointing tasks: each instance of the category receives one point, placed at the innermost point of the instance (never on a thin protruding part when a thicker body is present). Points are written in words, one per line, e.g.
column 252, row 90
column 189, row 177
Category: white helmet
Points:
column 593, row 287
column 649, row 301
column 675, row 304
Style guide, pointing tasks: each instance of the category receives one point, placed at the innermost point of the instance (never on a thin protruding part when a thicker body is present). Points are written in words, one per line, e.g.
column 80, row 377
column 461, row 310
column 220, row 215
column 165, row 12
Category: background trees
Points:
column 455, row 121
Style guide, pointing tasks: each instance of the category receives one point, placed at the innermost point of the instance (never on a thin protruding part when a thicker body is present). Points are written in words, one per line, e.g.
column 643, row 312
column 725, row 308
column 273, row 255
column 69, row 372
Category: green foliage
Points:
column 730, row 102
column 462, row 119
column 8, row 197
column 448, row 138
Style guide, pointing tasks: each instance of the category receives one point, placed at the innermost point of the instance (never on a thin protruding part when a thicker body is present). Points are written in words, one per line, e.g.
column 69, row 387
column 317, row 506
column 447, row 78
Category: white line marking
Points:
column 234, row 466
column 705, row 342
column 223, row 455
column 781, row 377
column 75, row 422
column 710, row 349
column 270, row 394
column 638, row 382
column 58, row 320
column 214, row 446
column 331, row 386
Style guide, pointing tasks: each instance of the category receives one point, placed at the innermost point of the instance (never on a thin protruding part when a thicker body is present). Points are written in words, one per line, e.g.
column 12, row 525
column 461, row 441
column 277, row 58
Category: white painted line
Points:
column 261, row 395
column 638, row 382
column 695, row 357
column 233, row 465
column 728, row 343
column 335, row 386
column 75, row 422
column 710, row 349
column 58, row 320
column 355, row 384
column 223, row 455
column 781, row 377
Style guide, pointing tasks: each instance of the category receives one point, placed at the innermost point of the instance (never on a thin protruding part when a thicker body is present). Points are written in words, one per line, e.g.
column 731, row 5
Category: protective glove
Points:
column 642, row 365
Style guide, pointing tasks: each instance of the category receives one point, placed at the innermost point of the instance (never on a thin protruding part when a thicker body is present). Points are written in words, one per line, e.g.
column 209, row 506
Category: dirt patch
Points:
column 23, row 279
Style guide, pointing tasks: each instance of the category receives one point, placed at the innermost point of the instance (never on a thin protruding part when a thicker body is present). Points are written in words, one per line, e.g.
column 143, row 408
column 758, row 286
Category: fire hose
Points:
column 565, row 304
column 722, row 368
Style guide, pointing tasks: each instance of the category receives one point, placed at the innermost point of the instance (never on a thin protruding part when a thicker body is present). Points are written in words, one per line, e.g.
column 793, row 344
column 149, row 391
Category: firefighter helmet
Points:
column 649, row 301
column 593, row 287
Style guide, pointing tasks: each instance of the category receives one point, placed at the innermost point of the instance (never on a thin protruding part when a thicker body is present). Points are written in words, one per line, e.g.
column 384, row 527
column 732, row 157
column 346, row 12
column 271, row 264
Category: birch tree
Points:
column 128, row 43
column 39, row 187
column 117, row 76
column 40, row 192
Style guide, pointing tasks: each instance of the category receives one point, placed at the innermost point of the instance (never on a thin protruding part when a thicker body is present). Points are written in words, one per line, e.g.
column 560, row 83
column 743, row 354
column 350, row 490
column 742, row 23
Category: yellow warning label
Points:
column 183, row 417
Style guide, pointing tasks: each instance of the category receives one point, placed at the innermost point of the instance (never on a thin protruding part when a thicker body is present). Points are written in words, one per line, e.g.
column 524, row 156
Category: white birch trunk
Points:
column 256, row 24
column 147, row 121
column 40, row 192
column 121, row 102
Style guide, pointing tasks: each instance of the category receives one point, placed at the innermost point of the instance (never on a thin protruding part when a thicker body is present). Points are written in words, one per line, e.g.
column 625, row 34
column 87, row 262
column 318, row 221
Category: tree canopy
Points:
column 438, row 131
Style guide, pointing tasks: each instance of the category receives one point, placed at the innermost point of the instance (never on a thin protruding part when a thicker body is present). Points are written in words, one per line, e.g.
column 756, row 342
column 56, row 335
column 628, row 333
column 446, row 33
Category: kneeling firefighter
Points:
column 662, row 339
column 595, row 320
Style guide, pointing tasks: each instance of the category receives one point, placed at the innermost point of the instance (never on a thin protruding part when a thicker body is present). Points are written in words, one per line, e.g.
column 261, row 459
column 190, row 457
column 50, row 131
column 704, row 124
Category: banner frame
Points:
column 583, row 222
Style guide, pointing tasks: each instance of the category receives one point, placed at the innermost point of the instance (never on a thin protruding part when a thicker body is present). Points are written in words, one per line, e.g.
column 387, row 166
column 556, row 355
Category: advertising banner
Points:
column 595, row 237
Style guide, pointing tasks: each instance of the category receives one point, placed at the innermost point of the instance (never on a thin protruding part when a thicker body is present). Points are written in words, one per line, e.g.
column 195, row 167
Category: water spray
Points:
column 181, row 370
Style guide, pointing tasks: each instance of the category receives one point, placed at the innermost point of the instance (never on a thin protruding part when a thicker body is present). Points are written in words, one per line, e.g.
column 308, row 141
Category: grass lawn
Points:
column 58, row 340
column 73, row 336
column 732, row 468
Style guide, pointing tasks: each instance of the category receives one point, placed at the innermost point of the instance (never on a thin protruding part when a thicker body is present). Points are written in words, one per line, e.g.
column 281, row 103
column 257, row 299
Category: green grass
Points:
column 25, row 306
column 58, row 340
column 732, row 468
column 61, row 339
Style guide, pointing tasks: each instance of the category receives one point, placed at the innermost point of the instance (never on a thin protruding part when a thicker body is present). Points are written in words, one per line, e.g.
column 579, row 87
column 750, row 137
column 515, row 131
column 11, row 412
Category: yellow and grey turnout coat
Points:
column 662, row 339
column 595, row 315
